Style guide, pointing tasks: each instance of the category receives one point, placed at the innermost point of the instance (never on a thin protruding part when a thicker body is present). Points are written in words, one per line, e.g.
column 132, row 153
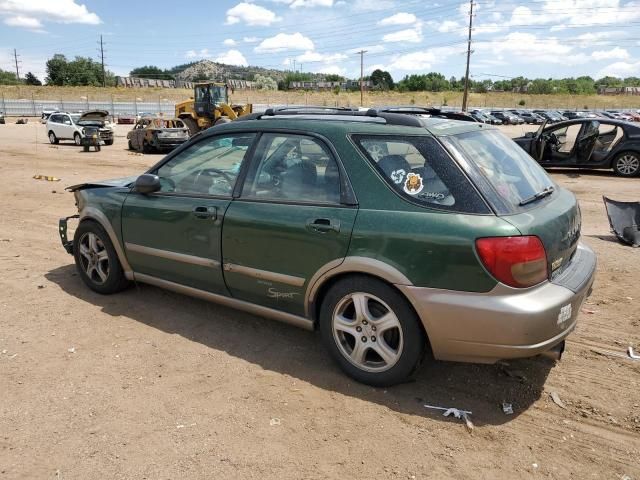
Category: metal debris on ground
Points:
column 72, row 350
column 48, row 178
column 507, row 408
column 457, row 413
column 274, row 422
column 608, row 353
column 556, row 399
column 632, row 354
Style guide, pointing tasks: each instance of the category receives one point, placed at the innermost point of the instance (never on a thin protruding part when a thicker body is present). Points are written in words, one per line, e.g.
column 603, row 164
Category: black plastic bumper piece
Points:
column 62, row 230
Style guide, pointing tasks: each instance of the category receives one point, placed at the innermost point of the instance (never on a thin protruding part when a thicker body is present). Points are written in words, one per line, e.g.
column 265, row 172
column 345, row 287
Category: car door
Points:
column 174, row 234
column 137, row 134
column 587, row 141
column 66, row 127
column 57, row 125
column 295, row 214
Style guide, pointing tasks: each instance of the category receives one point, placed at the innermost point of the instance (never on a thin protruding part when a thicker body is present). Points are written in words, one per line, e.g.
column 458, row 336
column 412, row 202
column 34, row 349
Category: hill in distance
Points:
column 206, row 69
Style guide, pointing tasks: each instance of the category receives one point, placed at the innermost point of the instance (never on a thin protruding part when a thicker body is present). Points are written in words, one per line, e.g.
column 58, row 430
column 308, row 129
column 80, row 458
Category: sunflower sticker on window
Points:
column 413, row 184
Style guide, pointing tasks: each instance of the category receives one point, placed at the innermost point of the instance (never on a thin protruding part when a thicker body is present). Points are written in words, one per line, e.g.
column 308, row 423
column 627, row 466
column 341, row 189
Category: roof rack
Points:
column 431, row 111
column 391, row 118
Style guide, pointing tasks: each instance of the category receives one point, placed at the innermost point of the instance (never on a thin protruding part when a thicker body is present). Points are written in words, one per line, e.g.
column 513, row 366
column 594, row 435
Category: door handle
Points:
column 205, row 212
column 323, row 225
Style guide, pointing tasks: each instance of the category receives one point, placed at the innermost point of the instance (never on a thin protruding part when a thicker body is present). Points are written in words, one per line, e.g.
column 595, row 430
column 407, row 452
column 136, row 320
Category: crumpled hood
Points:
column 115, row 182
column 100, row 115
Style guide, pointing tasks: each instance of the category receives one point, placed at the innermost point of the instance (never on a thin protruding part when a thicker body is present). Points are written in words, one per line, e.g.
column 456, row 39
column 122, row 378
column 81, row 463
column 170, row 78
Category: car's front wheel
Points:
column 52, row 138
column 371, row 331
column 627, row 164
column 96, row 259
column 108, row 142
column 77, row 139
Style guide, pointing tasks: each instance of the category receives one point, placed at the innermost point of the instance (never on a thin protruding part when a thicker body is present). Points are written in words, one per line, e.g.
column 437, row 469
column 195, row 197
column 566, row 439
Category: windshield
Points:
column 508, row 169
column 75, row 117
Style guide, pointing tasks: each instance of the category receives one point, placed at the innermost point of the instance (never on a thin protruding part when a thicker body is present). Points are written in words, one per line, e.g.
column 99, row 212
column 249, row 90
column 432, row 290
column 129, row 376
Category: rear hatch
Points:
column 520, row 191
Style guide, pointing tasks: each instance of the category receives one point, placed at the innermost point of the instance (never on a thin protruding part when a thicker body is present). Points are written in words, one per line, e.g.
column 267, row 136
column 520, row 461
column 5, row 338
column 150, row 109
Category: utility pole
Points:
column 361, row 53
column 466, row 76
column 294, row 65
column 104, row 82
column 15, row 56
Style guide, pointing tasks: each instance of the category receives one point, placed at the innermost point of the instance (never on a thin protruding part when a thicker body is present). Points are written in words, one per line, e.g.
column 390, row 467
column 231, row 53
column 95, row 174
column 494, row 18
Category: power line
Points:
column 15, row 56
column 466, row 76
column 361, row 53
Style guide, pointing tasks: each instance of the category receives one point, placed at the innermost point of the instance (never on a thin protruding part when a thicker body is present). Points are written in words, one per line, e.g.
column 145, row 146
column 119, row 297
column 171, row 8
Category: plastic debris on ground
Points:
column 274, row 421
column 457, row 413
column 556, row 399
column 507, row 408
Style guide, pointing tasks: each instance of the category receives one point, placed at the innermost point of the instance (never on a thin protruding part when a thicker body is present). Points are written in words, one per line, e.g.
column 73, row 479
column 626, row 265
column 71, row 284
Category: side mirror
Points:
column 530, row 134
column 147, row 184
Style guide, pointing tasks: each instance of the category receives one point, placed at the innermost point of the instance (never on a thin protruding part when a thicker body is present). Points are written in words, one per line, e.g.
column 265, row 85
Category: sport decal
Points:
column 413, row 184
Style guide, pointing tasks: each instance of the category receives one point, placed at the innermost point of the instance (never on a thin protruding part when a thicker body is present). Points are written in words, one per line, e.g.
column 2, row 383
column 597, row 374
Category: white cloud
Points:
column 528, row 48
column 400, row 18
column 311, row 3
column 369, row 5
column 251, row 14
column 562, row 13
column 311, row 56
column 616, row 53
column 232, row 57
column 229, row 42
column 204, row 53
column 411, row 35
column 30, row 13
column 250, row 39
column 412, row 61
column 284, row 41
column 620, row 69
column 448, row 26
column 369, row 49
column 332, row 70
column 23, row 22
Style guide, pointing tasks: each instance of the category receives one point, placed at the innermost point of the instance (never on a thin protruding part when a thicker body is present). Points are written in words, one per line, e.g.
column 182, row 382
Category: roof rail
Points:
column 391, row 118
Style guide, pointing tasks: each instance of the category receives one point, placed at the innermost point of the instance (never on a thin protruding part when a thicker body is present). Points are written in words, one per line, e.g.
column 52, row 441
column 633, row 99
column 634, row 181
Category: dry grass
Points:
column 452, row 99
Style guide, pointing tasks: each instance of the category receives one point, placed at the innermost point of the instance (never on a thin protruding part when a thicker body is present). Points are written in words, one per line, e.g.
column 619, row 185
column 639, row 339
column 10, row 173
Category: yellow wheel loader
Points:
column 208, row 107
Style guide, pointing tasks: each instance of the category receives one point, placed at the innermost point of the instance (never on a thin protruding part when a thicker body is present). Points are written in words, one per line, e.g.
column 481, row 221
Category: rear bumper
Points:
column 505, row 322
column 167, row 143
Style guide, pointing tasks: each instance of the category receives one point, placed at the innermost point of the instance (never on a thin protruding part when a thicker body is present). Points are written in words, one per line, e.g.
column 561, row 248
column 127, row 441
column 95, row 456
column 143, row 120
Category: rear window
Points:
column 510, row 172
column 418, row 169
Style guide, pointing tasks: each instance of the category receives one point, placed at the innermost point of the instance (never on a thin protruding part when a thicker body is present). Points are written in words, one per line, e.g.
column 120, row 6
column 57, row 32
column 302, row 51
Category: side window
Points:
column 209, row 167
column 293, row 168
column 54, row 119
column 420, row 170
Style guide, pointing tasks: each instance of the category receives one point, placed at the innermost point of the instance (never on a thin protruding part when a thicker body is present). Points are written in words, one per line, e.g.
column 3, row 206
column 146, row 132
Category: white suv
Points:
column 70, row 126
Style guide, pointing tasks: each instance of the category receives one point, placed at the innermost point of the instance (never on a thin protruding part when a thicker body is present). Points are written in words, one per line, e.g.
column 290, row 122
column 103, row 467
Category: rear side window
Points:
column 510, row 171
column 420, row 170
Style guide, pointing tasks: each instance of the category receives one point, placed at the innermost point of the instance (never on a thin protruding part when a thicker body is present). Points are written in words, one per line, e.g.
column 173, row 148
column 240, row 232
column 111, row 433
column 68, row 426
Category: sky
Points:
column 534, row 38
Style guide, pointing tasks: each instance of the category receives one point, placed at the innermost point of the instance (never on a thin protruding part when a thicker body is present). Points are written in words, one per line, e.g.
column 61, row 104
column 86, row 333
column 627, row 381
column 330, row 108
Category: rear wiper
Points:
column 537, row 196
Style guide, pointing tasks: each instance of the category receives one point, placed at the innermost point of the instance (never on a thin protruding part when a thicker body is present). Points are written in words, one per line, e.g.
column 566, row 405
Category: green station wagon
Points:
column 394, row 235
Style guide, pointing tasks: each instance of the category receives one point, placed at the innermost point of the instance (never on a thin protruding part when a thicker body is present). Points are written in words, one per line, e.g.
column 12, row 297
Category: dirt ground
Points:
column 151, row 384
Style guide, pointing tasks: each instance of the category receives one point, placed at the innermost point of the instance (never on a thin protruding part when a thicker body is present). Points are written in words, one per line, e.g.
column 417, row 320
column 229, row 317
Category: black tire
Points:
column 114, row 279
column 53, row 140
column 627, row 164
column 77, row 139
column 146, row 148
column 407, row 339
column 191, row 124
column 108, row 142
column 85, row 148
column 130, row 145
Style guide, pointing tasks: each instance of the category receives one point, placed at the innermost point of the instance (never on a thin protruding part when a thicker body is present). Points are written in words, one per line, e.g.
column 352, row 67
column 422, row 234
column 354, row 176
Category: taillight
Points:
column 515, row 261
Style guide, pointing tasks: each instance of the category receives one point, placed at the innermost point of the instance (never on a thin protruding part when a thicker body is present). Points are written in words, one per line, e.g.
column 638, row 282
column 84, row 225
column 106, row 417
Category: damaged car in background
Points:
column 70, row 126
column 157, row 134
column 586, row 143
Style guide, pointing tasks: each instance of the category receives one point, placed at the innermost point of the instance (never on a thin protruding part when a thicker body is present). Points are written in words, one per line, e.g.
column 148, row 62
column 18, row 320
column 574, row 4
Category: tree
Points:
column 78, row 72
column 265, row 83
column 382, row 79
column 151, row 71
column 8, row 78
column 333, row 77
column 31, row 79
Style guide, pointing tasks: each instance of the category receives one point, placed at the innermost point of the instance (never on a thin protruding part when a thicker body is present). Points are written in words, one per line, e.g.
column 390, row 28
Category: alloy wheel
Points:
column 628, row 164
column 94, row 258
column 367, row 332
column 77, row 139
column 52, row 137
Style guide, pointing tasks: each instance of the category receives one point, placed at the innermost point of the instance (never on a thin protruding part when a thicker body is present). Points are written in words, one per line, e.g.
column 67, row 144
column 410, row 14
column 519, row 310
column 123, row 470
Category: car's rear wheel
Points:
column 371, row 331
column 53, row 139
column 627, row 164
column 96, row 259
column 77, row 139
